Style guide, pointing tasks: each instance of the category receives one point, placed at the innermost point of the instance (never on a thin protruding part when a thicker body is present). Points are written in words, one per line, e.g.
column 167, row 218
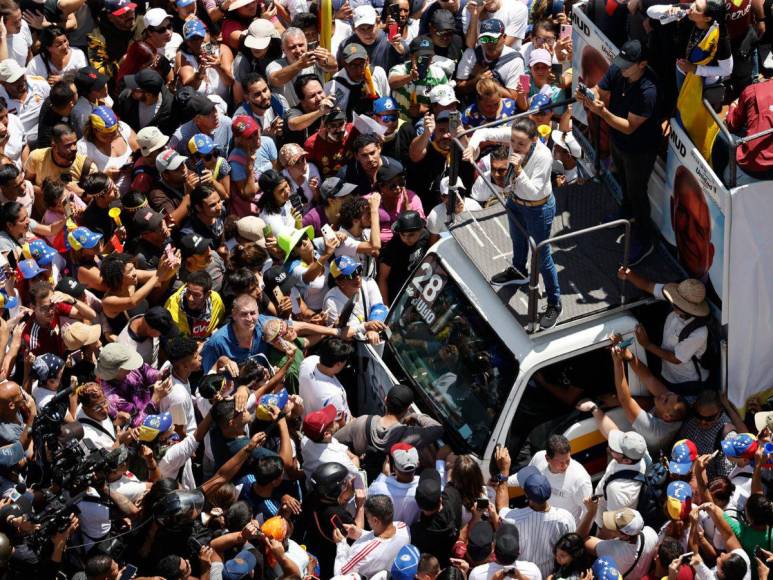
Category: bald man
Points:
column 17, row 412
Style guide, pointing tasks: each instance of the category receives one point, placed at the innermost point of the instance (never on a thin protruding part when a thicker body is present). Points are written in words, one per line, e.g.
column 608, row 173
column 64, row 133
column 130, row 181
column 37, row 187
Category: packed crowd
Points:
column 205, row 211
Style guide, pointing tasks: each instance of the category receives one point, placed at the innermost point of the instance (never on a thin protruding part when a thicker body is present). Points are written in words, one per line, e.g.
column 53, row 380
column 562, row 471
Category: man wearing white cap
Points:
column 24, row 94
column 382, row 52
column 436, row 220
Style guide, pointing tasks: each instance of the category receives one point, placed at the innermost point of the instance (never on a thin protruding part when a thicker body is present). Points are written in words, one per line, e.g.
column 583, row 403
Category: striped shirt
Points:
column 370, row 554
column 538, row 532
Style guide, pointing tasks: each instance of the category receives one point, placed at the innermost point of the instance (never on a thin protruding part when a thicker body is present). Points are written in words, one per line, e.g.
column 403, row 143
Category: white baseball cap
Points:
column 442, row 95
column 10, row 71
column 444, row 185
column 364, row 14
column 259, row 34
column 628, row 443
column 155, row 17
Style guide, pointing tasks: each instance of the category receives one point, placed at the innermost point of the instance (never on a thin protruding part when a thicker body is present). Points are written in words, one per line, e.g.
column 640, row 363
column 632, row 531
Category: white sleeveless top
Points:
column 103, row 161
column 212, row 83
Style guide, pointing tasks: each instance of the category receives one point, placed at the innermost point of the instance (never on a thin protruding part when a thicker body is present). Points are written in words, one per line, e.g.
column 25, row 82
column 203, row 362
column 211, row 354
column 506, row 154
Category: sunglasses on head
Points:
column 160, row 29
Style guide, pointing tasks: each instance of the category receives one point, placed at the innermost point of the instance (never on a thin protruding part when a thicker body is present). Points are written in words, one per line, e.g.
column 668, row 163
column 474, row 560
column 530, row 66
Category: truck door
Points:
column 374, row 379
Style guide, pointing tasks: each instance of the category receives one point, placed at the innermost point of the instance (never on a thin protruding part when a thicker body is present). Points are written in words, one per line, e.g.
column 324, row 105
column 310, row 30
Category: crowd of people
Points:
column 206, row 207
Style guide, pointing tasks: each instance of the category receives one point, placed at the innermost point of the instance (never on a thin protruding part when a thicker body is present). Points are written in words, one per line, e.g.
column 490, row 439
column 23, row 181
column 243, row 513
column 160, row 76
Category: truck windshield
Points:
column 463, row 371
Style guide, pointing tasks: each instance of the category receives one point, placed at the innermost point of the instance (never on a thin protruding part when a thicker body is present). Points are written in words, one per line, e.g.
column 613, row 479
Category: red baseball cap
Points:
column 314, row 424
column 244, row 126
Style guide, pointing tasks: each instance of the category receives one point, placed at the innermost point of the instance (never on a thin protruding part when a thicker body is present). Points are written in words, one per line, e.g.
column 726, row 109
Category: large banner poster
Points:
column 593, row 52
column 690, row 213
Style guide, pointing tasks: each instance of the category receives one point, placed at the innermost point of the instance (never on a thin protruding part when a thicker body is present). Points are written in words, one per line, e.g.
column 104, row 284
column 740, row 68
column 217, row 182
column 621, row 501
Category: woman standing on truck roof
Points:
column 531, row 206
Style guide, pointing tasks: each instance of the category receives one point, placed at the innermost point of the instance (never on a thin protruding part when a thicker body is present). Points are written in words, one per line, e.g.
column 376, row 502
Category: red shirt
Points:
column 738, row 19
column 39, row 340
column 329, row 157
column 753, row 114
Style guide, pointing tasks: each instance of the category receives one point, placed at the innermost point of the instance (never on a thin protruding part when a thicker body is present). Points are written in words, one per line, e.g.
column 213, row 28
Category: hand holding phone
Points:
column 338, row 524
column 129, row 572
column 392, row 31
column 566, row 31
column 327, row 232
column 525, row 82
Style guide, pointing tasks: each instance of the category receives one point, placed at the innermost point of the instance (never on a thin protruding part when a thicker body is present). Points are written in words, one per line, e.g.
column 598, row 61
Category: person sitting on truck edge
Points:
column 681, row 371
column 659, row 425
column 531, row 207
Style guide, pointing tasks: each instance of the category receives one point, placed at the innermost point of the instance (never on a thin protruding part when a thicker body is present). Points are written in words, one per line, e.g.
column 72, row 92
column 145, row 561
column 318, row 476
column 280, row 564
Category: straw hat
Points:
column 689, row 296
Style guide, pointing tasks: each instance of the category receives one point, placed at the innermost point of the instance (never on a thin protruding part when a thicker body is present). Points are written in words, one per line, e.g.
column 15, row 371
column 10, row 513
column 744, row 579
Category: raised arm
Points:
column 627, row 402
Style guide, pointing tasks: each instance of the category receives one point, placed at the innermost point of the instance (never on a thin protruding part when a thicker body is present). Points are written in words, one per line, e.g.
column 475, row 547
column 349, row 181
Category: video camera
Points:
column 54, row 518
column 80, row 464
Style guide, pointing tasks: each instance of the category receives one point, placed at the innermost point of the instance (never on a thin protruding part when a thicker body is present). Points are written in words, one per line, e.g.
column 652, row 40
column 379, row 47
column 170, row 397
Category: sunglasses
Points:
column 706, row 418
column 395, row 184
column 160, row 29
column 488, row 39
column 389, row 118
column 445, row 33
column 353, row 276
column 205, row 156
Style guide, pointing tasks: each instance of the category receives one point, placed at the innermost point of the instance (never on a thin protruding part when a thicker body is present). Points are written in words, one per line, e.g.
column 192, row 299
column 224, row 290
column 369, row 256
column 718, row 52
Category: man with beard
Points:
column 261, row 105
column 305, row 118
column 24, row 95
column 207, row 217
column 117, row 28
column 146, row 102
column 399, row 133
column 328, row 148
column 13, row 141
column 60, row 161
column 171, row 193
column 150, row 234
column 368, row 159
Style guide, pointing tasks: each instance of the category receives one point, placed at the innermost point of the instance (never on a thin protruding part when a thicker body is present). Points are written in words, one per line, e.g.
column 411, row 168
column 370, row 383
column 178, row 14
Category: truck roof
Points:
column 587, row 264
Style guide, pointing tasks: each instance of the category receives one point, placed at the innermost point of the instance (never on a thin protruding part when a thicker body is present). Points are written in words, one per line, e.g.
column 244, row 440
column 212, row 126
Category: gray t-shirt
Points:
column 354, row 434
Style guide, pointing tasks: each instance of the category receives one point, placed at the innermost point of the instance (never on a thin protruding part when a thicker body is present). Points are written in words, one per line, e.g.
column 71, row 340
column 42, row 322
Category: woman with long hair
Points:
column 56, row 56
column 198, row 62
column 570, row 558
column 467, row 478
column 109, row 143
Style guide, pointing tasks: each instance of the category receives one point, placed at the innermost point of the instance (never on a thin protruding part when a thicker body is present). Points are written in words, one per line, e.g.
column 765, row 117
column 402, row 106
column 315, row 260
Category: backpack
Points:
column 492, row 65
column 711, row 356
column 652, row 494
column 372, row 461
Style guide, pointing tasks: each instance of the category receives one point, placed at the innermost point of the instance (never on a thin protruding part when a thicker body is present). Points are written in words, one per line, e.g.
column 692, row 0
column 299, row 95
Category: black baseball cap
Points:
column 199, row 104
column 70, row 286
column 479, row 541
column 270, row 180
column 146, row 80
column 277, row 277
column 428, row 491
column 335, row 115
column 400, row 396
column 147, row 220
column 89, row 79
column 506, row 544
column 422, row 46
column 443, row 20
column 631, row 53
column 193, row 245
column 389, row 170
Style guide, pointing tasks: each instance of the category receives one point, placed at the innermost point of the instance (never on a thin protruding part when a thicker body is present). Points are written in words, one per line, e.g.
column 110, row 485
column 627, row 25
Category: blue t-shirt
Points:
column 225, row 343
column 472, row 117
column 267, row 154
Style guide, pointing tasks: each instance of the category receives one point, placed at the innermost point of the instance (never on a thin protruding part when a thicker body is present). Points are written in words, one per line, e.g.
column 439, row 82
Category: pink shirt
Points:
column 387, row 218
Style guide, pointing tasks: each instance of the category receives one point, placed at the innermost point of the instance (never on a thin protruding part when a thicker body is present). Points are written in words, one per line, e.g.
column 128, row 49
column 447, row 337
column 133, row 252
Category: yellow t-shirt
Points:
column 41, row 164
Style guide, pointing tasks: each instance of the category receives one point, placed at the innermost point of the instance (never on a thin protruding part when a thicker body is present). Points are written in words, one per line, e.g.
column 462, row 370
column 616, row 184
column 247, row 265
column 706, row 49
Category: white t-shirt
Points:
column 702, row 572
column 180, row 394
column 621, row 493
column 129, row 486
column 42, row 395
column 741, row 478
column 513, row 14
column 693, row 345
column 486, row 571
column 179, row 456
column 380, row 84
column 148, row 348
column 97, row 436
column 539, row 531
column 19, row 44
column 568, row 488
column 349, row 248
column 38, row 67
column 287, row 90
column 315, row 454
column 403, row 496
column 16, row 140
column 335, row 302
column 29, row 111
column 509, row 70
column 480, row 192
column 624, row 553
column 319, row 390
column 436, row 220
column 369, row 554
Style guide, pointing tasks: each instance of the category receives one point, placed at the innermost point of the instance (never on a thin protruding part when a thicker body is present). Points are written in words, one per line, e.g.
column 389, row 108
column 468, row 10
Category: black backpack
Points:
column 652, row 494
column 708, row 360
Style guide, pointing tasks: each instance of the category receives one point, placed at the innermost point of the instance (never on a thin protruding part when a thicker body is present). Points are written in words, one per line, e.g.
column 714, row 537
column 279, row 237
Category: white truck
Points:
column 478, row 361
